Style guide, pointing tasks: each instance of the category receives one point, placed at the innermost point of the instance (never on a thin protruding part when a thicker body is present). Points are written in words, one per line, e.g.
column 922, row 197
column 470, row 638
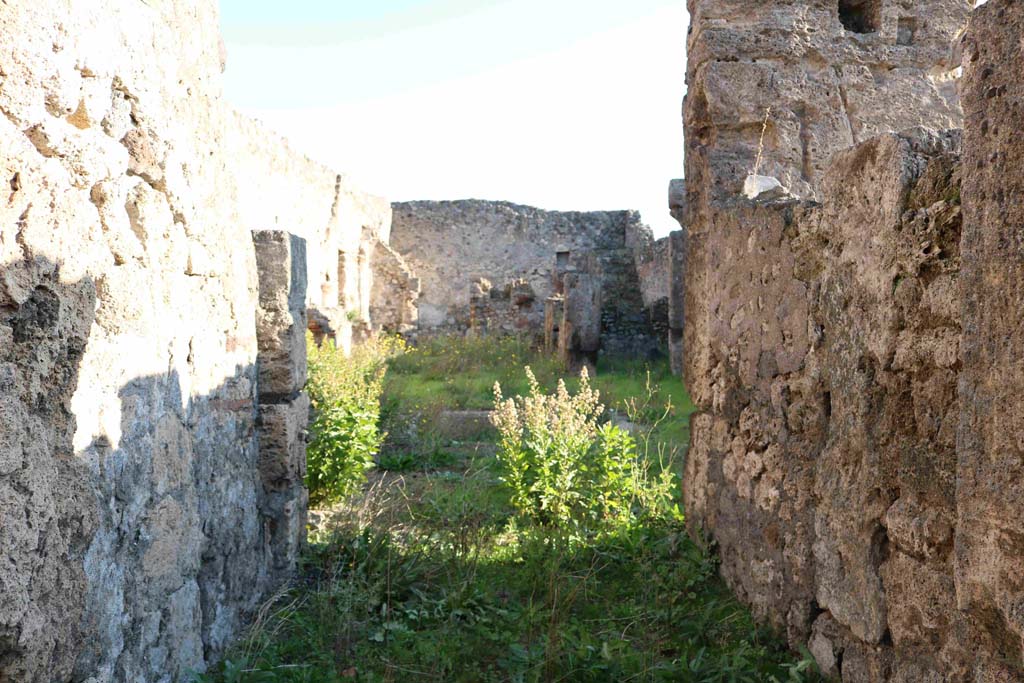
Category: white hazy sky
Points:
column 561, row 104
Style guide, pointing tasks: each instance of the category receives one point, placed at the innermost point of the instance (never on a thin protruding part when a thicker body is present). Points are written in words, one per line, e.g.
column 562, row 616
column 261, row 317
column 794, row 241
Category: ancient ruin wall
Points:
column 989, row 544
column 452, row 244
column 823, row 458
column 150, row 483
column 856, row 367
column 833, row 72
column 518, row 251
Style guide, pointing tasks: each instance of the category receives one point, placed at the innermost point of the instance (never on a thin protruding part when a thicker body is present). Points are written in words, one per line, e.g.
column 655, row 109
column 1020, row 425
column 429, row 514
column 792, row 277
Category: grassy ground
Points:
column 448, row 374
column 428, row 575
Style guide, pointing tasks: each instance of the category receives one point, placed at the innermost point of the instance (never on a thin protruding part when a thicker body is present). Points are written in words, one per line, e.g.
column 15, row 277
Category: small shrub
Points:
column 344, row 436
column 566, row 469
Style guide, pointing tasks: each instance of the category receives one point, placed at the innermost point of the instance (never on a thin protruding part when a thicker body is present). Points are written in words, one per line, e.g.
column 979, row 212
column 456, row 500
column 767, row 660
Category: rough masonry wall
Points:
column 137, row 518
column 517, row 255
column 342, row 224
column 823, row 355
column 395, row 292
column 833, row 72
column 990, row 474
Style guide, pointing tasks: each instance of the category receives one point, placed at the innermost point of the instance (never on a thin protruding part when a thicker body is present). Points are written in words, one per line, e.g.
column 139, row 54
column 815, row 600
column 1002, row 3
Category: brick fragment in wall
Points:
column 281, row 316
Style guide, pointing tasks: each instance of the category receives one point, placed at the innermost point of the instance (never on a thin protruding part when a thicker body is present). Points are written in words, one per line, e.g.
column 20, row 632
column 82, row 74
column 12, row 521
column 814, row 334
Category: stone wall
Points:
column 395, row 291
column 823, row 355
column 856, row 368
column 476, row 259
column 150, row 468
column 833, row 72
column 989, row 552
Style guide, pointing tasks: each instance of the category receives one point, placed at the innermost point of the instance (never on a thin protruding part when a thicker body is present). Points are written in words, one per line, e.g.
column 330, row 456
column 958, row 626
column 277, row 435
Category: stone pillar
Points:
column 990, row 465
column 283, row 405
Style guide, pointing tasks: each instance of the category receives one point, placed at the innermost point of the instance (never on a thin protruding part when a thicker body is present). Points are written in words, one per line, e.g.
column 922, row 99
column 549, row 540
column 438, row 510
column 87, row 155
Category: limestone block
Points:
column 281, row 318
column 677, row 200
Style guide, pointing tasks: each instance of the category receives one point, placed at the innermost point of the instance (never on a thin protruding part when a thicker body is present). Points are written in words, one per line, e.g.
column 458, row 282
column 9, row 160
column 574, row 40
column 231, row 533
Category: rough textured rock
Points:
column 281, row 261
column 824, row 356
column 140, row 520
column 453, row 245
column 833, row 73
column 281, row 315
column 990, row 485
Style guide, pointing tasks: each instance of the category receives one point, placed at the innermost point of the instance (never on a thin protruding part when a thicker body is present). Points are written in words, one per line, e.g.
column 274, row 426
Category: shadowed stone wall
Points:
column 151, row 414
column 824, row 358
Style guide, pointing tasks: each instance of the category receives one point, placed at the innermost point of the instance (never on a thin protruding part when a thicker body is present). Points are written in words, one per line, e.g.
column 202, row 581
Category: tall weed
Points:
column 565, row 468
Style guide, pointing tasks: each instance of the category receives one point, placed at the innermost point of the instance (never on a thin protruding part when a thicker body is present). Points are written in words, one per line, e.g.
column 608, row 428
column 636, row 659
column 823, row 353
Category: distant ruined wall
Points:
column 855, row 364
column 395, row 292
column 151, row 365
column 517, row 255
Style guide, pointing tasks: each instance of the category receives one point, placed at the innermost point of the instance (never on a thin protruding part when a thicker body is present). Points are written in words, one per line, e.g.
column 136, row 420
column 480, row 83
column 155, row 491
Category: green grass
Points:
column 459, row 374
column 429, row 574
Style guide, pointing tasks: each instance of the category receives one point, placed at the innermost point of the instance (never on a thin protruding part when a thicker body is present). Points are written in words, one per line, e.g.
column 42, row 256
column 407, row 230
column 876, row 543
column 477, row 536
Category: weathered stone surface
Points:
column 990, row 473
column 677, row 255
column 677, row 200
column 579, row 337
column 282, row 467
column 137, row 531
column 281, row 316
column 825, row 371
column 832, row 73
column 395, row 292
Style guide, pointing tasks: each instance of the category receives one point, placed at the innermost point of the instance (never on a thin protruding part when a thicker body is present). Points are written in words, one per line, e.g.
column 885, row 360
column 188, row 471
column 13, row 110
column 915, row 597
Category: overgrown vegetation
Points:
column 565, row 469
column 345, row 432
column 550, row 550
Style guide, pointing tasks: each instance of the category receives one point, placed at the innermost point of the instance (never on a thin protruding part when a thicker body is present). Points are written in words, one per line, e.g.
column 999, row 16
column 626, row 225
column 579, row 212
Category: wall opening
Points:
column 907, row 30
column 562, row 259
column 861, row 16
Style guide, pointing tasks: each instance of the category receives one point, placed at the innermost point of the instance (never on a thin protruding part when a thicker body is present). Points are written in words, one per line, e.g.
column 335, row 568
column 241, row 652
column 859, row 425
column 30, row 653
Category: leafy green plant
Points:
column 566, row 469
column 345, row 393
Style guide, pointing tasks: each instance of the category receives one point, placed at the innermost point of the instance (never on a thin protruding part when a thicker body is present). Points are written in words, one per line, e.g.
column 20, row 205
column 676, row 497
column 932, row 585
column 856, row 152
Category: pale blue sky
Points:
column 563, row 104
